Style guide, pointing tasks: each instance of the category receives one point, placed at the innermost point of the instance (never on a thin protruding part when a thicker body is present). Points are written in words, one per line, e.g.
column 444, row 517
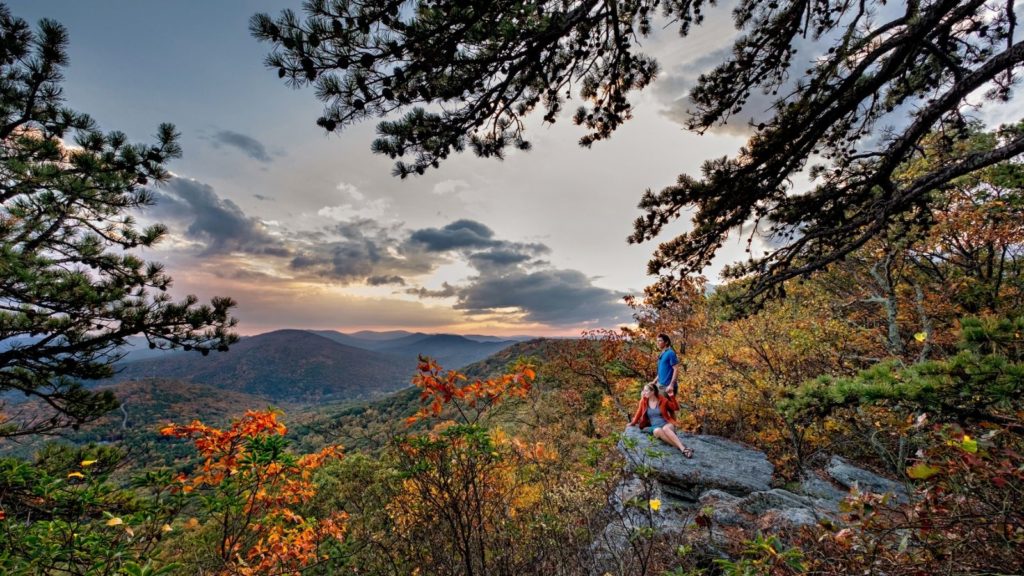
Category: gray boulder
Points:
column 768, row 511
column 823, row 491
column 778, row 508
column 717, row 463
column 848, row 476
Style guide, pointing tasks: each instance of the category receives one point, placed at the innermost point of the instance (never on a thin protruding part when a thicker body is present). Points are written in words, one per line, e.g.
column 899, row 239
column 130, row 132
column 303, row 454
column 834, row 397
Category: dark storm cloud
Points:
column 460, row 234
column 216, row 222
column 248, row 145
column 503, row 257
column 557, row 297
column 548, row 296
column 474, row 240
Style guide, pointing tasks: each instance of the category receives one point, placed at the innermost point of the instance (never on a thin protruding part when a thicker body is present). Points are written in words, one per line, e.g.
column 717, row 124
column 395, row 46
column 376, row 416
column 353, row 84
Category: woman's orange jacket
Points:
column 667, row 405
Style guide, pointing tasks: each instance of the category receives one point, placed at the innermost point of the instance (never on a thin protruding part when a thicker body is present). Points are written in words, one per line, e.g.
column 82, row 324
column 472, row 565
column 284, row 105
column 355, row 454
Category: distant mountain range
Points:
column 328, row 390
column 307, row 367
column 396, row 334
column 283, row 366
column 449, row 350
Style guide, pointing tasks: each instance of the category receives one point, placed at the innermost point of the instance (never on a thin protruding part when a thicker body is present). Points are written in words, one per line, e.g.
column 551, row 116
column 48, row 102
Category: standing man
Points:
column 668, row 367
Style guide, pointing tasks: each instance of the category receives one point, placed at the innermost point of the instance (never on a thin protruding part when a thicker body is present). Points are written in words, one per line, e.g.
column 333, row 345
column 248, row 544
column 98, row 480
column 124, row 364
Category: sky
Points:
column 310, row 230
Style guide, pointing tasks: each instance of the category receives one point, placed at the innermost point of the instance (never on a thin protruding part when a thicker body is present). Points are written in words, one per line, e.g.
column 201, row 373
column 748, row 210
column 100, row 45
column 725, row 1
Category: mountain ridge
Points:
column 285, row 365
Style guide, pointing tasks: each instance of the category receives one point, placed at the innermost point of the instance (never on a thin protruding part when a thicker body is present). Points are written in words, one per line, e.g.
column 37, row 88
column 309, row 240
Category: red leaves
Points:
column 440, row 389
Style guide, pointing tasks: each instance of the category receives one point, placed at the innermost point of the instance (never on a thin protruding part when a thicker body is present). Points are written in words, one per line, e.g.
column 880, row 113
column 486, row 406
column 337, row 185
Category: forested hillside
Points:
column 285, row 366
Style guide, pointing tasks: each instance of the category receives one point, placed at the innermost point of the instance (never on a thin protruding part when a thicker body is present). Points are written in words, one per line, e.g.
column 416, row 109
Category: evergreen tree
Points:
column 71, row 290
column 907, row 67
column 984, row 382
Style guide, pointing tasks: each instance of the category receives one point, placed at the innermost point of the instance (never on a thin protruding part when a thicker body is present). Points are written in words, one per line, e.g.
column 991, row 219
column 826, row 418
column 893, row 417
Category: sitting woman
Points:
column 655, row 415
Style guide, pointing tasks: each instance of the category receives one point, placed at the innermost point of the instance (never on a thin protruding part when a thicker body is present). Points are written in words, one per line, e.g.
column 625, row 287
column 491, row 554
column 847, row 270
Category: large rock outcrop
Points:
column 724, row 490
column 717, row 464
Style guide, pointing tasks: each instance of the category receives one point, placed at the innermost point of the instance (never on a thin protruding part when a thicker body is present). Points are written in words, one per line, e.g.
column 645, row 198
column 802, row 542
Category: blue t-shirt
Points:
column 665, row 363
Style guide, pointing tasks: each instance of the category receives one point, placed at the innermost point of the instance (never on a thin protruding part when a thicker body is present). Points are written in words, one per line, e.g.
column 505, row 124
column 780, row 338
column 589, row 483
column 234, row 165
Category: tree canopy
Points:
column 888, row 75
column 71, row 290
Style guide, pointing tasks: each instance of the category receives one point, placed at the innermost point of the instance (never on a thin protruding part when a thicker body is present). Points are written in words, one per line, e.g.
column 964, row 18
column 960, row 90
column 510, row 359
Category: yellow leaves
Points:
column 922, row 471
column 499, row 437
column 115, row 521
column 192, row 523
column 87, row 463
column 654, row 504
column 921, row 336
column 967, row 444
column 78, row 475
column 166, row 528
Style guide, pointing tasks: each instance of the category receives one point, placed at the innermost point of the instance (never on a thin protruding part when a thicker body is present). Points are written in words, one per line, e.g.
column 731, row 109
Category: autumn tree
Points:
column 243, row 508
column 71, row 288
column 252, row 493
column 913, row 283
column 974, row 253
column 474, row 498
column 468, row 74
column 601, row 365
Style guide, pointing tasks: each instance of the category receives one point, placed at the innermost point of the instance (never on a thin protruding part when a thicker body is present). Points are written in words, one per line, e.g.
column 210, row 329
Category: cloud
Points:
column 269, row 305
column 355, row 206
column 263, row 197
column 383, row 280
column 506, row 285
column 460, row 234
column 467, row 236
column 248, row 145
column 446, row 291
column 499, row 258
column 558, row 297
column 347, row 261
column 672, row 90
column 673, row 87
column 218, row 223
column 446, row 187
column 359, row 249
column 511, row 283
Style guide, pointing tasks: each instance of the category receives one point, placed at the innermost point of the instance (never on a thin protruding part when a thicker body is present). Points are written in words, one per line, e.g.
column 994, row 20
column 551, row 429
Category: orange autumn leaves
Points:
column 253, row 490
column 451, row 387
